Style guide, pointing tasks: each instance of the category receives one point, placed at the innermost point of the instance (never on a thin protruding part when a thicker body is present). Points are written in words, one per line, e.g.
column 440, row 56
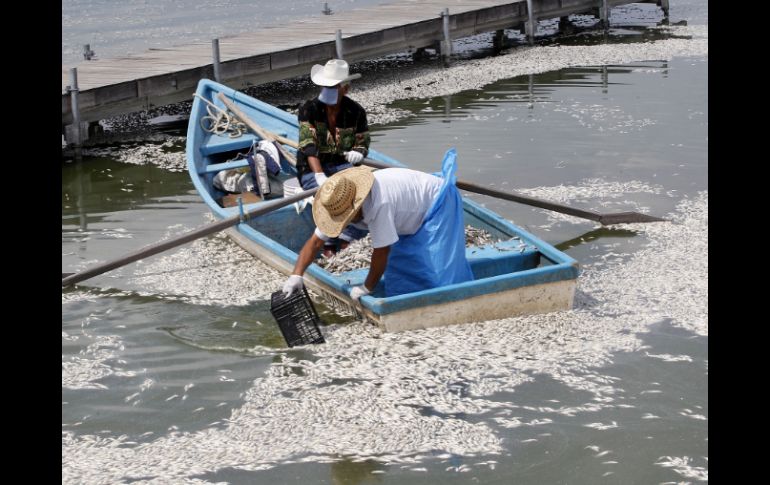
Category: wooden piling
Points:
column 498, row 41
column 338, row 43
column 604, row 12
column 446, row 47
column 75, row 106
column 530, row 25
column 215, row 55
column 664, row 5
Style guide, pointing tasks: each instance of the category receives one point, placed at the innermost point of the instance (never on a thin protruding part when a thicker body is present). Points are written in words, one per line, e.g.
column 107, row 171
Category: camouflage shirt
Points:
column 352, row 133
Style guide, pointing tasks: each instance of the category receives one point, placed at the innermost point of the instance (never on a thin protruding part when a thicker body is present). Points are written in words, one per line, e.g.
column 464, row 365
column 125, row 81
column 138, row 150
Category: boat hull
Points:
column 518, row 275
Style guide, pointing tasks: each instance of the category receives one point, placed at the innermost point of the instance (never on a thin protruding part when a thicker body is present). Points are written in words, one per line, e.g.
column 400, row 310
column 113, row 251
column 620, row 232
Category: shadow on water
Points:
column 240, row 329
column 213, row 327
column 342, row 471
column 348, row 472
column 603, row 232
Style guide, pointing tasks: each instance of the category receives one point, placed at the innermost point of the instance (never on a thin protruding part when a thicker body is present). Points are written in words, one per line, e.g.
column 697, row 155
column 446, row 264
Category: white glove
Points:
column 354, row 157
column 299, row 206
column 320, row 178
column 294, row 283
column 358, row 291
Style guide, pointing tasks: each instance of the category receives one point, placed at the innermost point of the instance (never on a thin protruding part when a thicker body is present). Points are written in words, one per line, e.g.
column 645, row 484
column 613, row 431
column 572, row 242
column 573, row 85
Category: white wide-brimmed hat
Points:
column 339, row 198
column 334, row 72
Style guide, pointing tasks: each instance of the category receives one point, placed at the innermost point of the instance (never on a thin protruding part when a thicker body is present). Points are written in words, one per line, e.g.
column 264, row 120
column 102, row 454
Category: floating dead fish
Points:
column 359, row 253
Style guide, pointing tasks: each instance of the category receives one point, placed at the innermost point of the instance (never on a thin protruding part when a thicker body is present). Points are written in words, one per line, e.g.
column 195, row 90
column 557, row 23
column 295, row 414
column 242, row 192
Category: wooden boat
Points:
column 512, row 276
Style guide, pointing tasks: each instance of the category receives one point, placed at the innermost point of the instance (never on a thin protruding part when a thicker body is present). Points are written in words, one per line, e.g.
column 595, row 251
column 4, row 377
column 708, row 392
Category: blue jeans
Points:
column 350, row 233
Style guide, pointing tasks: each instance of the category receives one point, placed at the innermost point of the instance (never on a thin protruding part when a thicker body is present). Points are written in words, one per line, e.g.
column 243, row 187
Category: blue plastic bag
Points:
column 434, row 255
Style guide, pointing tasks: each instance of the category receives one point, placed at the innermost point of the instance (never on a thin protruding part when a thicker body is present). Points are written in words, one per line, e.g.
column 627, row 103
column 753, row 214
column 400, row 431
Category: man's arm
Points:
column 362, row 138
column 315, row 164
column 307, row 254
column 377, row 267
column 308, row 137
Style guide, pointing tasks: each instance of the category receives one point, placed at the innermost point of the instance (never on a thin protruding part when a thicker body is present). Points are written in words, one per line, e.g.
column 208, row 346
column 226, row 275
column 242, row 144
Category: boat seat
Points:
column 221, row 144
column 501, row 257
column 216, row 167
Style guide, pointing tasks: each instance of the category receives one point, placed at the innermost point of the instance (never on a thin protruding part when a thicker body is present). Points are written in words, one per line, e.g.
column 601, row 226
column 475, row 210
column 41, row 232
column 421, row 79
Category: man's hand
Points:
column 294, row 283
column 354, row 157
column 320, row 178
column 358, row 291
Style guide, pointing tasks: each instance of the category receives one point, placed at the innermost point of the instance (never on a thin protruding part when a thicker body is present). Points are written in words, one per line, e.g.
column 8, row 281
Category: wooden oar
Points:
column 604, row 219
column 71, row 279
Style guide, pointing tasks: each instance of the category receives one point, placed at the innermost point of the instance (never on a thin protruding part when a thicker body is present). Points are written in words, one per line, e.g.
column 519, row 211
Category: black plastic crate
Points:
column 296, row 317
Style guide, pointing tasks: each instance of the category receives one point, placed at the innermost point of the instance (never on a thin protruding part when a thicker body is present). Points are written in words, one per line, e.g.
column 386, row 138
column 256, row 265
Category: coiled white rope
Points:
column 220, row 122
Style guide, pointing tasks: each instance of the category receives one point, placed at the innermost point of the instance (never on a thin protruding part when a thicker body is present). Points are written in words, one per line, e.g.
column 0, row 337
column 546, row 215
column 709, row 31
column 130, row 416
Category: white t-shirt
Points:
column 397, row 204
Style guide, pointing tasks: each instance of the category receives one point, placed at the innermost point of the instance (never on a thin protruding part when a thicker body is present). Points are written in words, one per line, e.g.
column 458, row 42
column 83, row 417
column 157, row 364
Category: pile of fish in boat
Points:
column 359, row 253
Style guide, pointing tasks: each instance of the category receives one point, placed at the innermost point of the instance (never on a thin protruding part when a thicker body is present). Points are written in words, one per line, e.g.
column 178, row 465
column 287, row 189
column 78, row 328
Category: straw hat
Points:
column 339, row 198
column 334, row 72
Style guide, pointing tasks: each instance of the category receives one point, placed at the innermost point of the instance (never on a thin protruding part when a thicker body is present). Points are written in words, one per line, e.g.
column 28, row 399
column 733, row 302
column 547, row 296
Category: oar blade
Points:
column 628, row 218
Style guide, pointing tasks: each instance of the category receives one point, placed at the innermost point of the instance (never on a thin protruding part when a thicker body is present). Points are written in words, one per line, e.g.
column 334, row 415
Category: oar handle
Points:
column 184, row 238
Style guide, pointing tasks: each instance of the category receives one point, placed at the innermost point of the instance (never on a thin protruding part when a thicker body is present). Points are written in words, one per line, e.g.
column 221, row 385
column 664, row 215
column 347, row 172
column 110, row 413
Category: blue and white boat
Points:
column 520, row 274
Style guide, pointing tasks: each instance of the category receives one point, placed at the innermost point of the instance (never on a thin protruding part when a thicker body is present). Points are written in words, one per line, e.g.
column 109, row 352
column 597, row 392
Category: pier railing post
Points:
column 530, row 25
column 73, row 88
column 604, row 12
column 664, row 5
column 338, row 43
column 498, row 41
column 215, row 55
column 446, row 46
column 73, row 134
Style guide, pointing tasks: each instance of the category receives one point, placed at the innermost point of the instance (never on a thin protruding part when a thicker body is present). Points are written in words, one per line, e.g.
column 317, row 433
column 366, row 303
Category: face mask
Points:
column 328, row 96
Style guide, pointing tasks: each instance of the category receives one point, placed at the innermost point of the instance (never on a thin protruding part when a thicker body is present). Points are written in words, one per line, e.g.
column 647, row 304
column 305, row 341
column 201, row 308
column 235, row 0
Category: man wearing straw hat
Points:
column 415, row 220
column 333, row 133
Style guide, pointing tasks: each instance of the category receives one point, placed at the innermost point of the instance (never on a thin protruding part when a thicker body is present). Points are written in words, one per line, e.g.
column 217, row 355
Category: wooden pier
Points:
column 107, row 87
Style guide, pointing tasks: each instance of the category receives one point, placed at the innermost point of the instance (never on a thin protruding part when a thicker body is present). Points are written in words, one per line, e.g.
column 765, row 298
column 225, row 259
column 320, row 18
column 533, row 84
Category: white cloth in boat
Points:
column 235, row 181
column 239, row 180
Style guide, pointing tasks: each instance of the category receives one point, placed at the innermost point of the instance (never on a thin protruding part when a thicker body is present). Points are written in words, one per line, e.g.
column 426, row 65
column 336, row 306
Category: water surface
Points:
column 173, row 369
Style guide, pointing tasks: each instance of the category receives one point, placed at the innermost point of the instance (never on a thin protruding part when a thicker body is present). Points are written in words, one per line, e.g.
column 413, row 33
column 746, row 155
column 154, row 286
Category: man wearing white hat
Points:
column 333, row 132
column 415, row 220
